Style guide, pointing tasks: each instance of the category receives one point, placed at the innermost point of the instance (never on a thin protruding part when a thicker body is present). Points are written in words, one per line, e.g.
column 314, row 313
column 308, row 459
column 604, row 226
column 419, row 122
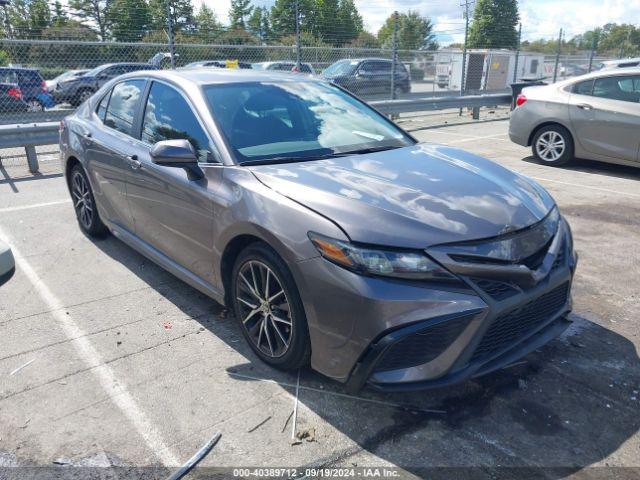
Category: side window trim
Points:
column 106, row 106
column 215, row 153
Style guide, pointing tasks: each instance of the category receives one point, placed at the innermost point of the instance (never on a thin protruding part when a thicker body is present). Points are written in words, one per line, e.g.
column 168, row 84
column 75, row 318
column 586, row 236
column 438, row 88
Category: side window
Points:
column 383, row 67
column 583, row 88
column 168, row 116
column 121, row 111
column 304, row 68
column 617, row 88
column 102, row 106
column 366, row 67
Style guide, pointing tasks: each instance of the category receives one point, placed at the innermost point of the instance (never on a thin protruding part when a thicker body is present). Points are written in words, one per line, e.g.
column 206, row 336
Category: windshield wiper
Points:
column 276, row 160
column 369, row 150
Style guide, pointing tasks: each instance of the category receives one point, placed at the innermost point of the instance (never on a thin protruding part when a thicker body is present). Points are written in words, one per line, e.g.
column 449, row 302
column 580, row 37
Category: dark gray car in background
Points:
column 77, row 89
column 334, row 237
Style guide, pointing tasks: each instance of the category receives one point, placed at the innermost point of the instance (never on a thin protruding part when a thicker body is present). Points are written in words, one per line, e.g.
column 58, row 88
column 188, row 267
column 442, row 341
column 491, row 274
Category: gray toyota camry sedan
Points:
column 335, row 238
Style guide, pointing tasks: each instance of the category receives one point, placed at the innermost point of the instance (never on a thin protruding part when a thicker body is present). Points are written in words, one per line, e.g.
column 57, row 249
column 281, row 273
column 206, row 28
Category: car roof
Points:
column 20, row 68
column 621, row 60
column 199, row 76
column 599, row 74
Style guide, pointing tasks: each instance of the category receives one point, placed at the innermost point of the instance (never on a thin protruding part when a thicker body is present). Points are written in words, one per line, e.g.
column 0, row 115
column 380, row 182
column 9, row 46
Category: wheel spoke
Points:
column 266, row 284
column 250, row 305
column 275, row 327
column 248, row 285
column 266, row 334
column 251, row 314
column 273, row 297
column 253, row 276
column 281, row 320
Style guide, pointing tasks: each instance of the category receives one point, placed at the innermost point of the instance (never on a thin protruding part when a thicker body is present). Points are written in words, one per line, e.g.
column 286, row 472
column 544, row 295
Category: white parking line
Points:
column 116, row 391
column 606, row 190
column 36, row 205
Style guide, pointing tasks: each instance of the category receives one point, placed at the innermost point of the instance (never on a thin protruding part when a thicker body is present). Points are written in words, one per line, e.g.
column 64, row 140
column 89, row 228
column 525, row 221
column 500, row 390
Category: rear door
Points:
column 173, row 212
column 108, row 142
column 606, row 115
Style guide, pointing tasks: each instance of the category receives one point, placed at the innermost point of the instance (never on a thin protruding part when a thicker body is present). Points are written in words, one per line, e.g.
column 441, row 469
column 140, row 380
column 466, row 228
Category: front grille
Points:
column 422, row 346
column 495, row 289
column 513, row 326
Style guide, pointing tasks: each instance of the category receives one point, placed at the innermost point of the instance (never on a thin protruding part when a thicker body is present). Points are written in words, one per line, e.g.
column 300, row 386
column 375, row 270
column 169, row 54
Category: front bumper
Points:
column 399, row 336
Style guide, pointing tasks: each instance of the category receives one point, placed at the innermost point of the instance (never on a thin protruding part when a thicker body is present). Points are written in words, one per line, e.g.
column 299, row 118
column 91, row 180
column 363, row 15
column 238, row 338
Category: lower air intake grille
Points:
column 497, row 290
column 513, row 326
column 422, row 346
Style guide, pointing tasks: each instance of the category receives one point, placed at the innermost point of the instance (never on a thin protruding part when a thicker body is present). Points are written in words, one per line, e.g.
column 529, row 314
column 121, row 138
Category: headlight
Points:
column 372, row 261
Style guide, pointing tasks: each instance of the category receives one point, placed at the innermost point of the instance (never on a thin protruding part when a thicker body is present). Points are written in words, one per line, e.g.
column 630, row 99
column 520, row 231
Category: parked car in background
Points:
column 11, row 99
column 68, row 75
column 77, row 90
column 218, row 64
column 284, row 66
column 31, row 85
column 620, row 63
column 368, row 76
column 596, row 117
column 335, row 238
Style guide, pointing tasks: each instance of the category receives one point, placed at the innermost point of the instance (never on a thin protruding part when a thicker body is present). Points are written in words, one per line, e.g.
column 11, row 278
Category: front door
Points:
column 607, row 118
column 173, row 212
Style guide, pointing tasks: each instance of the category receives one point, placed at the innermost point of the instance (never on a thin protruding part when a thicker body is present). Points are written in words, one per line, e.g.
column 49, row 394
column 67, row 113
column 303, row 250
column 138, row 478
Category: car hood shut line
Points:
column 412, row 197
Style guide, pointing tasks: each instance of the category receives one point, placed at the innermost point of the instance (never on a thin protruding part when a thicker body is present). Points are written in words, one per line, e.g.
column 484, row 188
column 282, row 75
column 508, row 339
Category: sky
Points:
column 540, row 18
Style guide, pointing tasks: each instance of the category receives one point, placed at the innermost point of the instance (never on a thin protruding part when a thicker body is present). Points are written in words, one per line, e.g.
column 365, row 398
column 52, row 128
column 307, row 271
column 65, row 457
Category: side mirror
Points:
column 177, row 153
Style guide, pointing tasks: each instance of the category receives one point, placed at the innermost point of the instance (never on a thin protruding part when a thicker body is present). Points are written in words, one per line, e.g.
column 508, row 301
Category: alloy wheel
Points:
column 82, row 199
column 550, row 146
column 84, row 95
column 34, row 106
column 264, row 307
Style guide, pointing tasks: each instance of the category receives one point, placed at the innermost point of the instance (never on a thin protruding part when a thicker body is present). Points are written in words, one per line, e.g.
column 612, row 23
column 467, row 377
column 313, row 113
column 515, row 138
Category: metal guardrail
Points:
column 29, row 135
column 394, row 107
column 33, row 134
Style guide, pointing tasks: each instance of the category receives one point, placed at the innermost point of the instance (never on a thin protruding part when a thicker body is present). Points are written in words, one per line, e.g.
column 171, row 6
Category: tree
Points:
column 207, row 25
column 238, row 11
column 19, row 18
column 92, row 13
column 494, row 24
column 60, row 17
column 349, row 22
column 39, row 16
column 325, row 23
column 365, row 40
column 238, row 37
column 259, row 23
column 182, row 17
column 130, row 20
column 283, row 16
column 415, row 32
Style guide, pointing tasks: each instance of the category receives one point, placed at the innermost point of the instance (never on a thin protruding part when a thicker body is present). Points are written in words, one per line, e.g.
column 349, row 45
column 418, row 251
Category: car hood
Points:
column 412, row 197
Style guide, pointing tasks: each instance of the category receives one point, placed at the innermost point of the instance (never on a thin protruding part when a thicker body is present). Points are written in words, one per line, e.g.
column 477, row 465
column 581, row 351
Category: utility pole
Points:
column 555, row 70
column 298, row 63
column 394, row 55
column 170, row 34
column 463, row 79
column 515, row 69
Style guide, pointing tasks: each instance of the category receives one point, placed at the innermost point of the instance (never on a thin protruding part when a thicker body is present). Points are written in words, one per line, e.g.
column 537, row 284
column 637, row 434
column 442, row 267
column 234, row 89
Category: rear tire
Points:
column 84, row 203
column 553, row 145
column 82, row 96
column 274, row 324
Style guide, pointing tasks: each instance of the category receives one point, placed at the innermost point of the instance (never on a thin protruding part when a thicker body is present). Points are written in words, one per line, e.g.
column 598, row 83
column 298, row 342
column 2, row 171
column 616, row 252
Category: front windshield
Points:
column 343, row 67
column 295, row 121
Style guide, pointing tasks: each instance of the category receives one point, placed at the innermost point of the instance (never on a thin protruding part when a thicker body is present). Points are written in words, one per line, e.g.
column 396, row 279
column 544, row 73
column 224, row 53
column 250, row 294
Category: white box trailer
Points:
column 486, row 70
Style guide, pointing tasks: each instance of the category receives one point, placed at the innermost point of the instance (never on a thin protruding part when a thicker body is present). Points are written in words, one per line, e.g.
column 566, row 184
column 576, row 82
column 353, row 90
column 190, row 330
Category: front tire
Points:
column 553, row 145
column 267, row 305
column 84, row 203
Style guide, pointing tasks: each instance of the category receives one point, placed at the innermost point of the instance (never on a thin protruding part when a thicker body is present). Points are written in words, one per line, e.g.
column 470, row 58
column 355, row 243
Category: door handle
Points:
column 584, row 106
column 133, row 162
